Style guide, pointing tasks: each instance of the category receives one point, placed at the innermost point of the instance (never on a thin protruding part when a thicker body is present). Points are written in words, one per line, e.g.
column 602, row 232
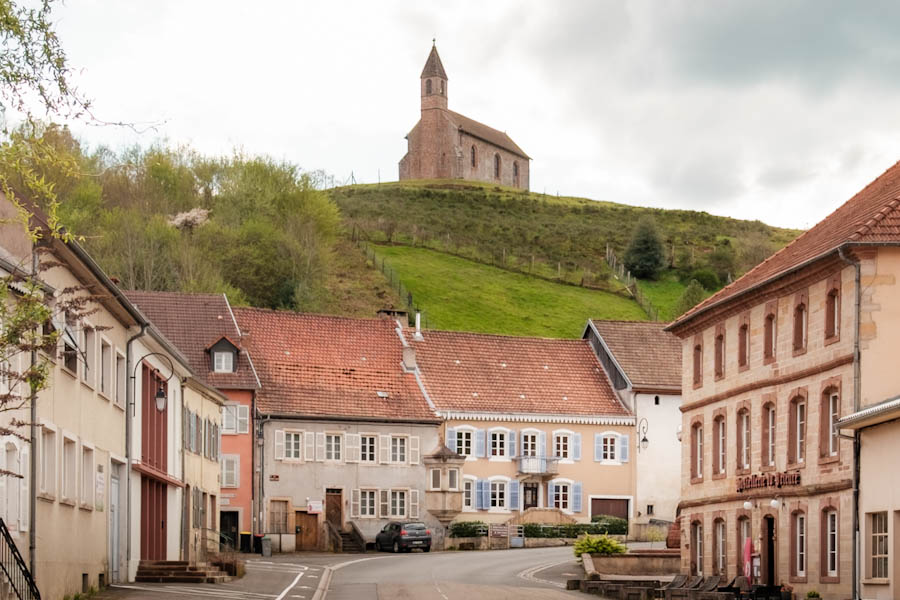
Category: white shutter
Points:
column 243, row 418
column 414, row 450
column 4, row 510
column 279, row 444
column 385, row 443
column 624, row 446
column 354, row 503
column 309, row 452
column 413, row 504
column 384, row 504
column 229, row 418
column 320, row 445
column 351, row 453
column 24, row 498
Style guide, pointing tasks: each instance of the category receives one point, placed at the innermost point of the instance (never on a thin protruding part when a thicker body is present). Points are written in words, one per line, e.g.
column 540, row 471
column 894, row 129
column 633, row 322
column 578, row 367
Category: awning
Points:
column 872, row 415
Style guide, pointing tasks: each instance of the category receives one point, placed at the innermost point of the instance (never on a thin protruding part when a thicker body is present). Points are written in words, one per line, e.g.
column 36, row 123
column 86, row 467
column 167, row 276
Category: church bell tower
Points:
column 434, row 82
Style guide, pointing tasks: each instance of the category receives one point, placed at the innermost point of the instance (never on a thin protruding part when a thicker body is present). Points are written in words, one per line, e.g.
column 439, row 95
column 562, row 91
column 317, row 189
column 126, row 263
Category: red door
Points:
column 153, row 519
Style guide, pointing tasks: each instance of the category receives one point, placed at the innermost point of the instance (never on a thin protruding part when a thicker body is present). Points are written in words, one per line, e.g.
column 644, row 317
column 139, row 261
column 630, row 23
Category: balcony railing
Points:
column 538, row 465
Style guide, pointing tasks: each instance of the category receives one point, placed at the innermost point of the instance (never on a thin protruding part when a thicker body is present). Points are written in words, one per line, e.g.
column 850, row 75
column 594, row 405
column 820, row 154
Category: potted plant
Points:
column 787, row 592
column 812, row 594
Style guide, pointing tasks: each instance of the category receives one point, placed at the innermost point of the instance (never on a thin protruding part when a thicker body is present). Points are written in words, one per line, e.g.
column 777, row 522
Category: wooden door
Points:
column 153, row 519
column 609, row 506
column 307, row 531
column 334, row 507
column 529, row 495
column 228, row 525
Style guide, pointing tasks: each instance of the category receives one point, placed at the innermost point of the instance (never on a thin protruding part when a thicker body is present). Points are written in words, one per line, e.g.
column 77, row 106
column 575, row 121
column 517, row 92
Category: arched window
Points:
column 443, row 91
column 797, row 430
column 744, row 342
column 798, row 544
column 428, row 87
column 697, row 548
column 800, row 322
column 743, row 534
column 743, row 440
column 474, row 158
column 497, row 166
column 516, row 170
column 719, row 547
column 697, row 451
column 719, row 445
column 768, row 433
column 720, row 352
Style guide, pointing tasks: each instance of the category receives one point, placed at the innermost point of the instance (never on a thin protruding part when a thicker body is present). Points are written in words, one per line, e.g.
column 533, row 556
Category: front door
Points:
column 153, row 519
column 114, row 526
column 530, row 495
column 228, row 525
column 769, row 544
column 307, row 531
column 334, row 507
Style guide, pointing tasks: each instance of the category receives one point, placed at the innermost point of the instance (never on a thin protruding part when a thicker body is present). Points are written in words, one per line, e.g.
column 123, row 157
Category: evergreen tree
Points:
column 693, row 294
column 645, row 255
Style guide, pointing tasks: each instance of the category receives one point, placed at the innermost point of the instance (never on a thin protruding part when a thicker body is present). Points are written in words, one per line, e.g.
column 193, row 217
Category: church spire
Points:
column 433, row 66
column 434, row 82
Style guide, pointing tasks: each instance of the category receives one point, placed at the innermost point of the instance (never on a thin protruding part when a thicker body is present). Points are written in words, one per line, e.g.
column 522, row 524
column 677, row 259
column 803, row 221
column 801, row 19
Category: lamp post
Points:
column 642, row 427
column 160, row 390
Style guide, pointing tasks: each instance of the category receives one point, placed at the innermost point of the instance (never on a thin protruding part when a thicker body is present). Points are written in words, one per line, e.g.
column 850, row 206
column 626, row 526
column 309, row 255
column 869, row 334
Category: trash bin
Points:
column 267, row 546
column 257, row 543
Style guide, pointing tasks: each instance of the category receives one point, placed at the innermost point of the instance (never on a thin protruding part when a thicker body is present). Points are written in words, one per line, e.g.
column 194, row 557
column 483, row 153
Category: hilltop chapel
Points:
column 447, row 145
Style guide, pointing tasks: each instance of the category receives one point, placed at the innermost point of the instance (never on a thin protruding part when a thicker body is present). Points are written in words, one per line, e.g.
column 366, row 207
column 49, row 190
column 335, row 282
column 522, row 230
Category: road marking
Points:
column 528, row 574
column 174, row 590
column 290, row 587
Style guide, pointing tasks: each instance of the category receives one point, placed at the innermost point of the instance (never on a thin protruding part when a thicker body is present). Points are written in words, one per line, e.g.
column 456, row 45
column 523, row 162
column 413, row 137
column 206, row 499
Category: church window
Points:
column 474, row 159
column 515, row 169
column 497, row 165
column 442, row 87
column 427, row 86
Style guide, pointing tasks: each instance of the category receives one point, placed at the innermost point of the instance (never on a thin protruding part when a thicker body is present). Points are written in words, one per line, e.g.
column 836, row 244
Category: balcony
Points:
column 538, row 465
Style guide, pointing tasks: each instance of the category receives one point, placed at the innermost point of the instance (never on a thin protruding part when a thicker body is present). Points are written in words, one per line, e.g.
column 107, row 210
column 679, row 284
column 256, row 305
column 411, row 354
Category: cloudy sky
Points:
column 768, row 110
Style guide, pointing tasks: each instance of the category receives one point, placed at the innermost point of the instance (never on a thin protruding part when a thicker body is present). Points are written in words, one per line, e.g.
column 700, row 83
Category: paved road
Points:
column 533, row 574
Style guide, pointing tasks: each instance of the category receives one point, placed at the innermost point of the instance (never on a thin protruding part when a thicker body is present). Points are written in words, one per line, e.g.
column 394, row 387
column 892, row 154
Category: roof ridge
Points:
column 497, row 335
column 293, row 313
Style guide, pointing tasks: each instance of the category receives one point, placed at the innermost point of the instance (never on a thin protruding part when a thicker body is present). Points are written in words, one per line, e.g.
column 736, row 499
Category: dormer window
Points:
column 223, row 361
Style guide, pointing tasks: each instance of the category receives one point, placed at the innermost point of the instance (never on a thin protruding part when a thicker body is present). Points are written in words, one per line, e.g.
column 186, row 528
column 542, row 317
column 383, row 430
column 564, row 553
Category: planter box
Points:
column 643, row 563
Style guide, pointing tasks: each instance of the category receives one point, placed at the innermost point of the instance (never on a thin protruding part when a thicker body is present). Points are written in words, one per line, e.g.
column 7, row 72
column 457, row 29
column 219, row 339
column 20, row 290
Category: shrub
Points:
column 598, row 544
column 467, row 529
column 645, row 255
column 609, row 524
column 813, row 594
column 707, row 278
column 605, row 525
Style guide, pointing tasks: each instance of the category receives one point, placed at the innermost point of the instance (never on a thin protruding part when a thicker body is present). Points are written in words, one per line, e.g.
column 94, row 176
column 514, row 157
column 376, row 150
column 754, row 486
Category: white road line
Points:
column 290, row 587
column 176, row 590
column 528, row 574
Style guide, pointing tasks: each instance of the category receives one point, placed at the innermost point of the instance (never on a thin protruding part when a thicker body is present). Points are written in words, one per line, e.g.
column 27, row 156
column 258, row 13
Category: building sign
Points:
column 274, row 477
column 314, row 507
column 768, row 480
column 500, row 531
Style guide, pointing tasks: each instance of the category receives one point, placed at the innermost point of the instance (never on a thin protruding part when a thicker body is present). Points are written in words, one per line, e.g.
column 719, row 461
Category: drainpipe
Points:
column 184, row 499
column 129, row 408
column 32, row 470
column 857, row 384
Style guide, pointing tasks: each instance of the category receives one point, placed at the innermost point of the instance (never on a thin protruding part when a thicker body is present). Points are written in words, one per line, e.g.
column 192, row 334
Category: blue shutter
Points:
column 479, row 443
column 576, row 497
column 479, row 485
column 512, row 444
column 451, row 439
column 576, row 446
column 598, row 447
column 623, row 447
column 542, row 444
column 485, row 494
column 551, row 495
column 514, row 495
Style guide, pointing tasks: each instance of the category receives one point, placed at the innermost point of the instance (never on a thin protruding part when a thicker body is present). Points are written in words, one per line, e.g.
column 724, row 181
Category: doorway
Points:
column 114, row 524
column 529, row 495
column 769, row 546
column 228, row 526
column 153, row 519
column 334, row 507
column 307, row 529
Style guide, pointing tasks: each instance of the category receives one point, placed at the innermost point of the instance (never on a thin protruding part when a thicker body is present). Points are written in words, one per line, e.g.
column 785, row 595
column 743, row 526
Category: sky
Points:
column 771, row 110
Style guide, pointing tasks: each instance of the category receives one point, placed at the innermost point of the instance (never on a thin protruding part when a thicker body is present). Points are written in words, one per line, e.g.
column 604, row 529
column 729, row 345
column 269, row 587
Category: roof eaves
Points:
column 611, row 355
column 883, row 411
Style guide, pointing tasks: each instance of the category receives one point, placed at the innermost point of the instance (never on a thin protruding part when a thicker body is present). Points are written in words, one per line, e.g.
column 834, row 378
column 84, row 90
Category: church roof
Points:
column 488, row 134
column 433, row 66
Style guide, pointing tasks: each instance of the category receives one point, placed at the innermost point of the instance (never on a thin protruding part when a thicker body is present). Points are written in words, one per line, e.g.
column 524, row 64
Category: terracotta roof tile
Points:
column 871, row 216
column 493, row 373
column 193, row 322
column 318, row 365
column 488, row 134
column 649, row 355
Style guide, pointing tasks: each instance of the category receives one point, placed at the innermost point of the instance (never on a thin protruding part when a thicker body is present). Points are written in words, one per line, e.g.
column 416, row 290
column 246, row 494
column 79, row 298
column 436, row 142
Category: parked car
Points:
column 397, row 536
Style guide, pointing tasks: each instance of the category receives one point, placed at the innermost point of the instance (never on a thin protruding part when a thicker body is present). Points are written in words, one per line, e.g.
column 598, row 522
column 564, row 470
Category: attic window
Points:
column 382, row 394
column 223, row 361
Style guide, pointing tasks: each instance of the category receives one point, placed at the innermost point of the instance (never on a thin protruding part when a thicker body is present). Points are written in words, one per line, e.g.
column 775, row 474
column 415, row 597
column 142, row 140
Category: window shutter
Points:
column 385, row 443
column 184, row 427
column 24, row 498
column 309, row 451
column 4, row 510
column 598, row 447
column 511, row 443
column 229, row 418
column 576, row 497
column 514, row 495
column 479, row 443
column 243, row 418
column 352, row 449
column 476, row 501
column 551, row 495
column 414, row 450
column 320, row 445
column 576, row 446
column 279, row 444
column 623, row 447
column 413, row 504
column 383, row 506
column 486, row 494
column 354, row 503
column 451, row 439
column 542, row 443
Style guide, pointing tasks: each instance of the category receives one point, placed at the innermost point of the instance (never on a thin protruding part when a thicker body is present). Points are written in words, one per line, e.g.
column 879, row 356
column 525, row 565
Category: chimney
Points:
column 418, row 335
column 409, row 358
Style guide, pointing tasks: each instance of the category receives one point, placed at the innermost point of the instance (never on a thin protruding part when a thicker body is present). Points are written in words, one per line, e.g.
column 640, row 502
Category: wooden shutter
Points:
column 624, row 444
column 413, row 449
column 413, row 504
column 384, row 442
column 511, row 443
column 486, row 494
column 576, row 446
column 598, row 447
column 320, row 445
column 451, row 439
column 577, row 492
column 243, row 419
column 354, row 503
column 279, row 444
column 309, row 451
column 480, row 443
column 542, row 444
column 551, row 495
column 513, row 495
column 351, row 453
column 384, row 504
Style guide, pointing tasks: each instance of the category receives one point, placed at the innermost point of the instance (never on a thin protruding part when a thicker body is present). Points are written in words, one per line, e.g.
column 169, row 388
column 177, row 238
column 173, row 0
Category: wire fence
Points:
column 395, row 282
column 631, row 284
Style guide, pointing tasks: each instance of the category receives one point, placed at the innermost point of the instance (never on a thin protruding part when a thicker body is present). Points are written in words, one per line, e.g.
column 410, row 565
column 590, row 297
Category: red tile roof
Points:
column 476, row 372
column 649, row 355
column 325, row 366
column 871, row 216
column 483, row 132
column 192, row 322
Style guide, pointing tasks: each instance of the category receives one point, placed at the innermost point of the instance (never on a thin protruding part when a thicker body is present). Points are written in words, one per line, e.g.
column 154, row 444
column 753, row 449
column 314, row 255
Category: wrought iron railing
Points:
column 14, row 569
column 538, row 465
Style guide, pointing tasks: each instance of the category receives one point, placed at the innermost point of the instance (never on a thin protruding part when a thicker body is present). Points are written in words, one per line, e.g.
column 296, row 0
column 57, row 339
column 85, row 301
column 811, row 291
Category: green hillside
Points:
column 464, row 295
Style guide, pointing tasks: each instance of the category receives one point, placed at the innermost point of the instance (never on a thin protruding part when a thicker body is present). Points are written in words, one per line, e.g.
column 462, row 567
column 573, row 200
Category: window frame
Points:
column 770, row 333
column 720, row 444
column 224, row 368
column 743, row 345
column 489, row 442
column 830, row 546
column 719, row 352
column 800, row 338
column 399, row 449
column 363, row 493
column 502, row 493
column 744, row 446
column 697, row 546
column 696, row 441
column 720, row 547
column 469, row 480
column 833, row 309
column 798, row 422
column 799, row 546
column 372, row 456
column 334, row 446
column 465, row 434
column 769, row 432
column 293, row 433
column 879, row 551
column 697, row 351
column 431, row 475
column 394, row 501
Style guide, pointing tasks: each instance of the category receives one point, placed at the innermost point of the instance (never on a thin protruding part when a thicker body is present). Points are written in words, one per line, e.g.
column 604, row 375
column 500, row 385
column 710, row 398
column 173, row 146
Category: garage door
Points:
column 609, row 506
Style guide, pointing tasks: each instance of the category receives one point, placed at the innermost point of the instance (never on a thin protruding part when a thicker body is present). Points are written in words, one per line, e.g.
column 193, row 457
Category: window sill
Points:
column 499, row 459
column 696, row 480
column 718, row 476
column 799, row 351
column 769, row 360
column 67, row 502
column 828, row 460
column 87, row 385
column 105, row 396
column 610, row 463
column 876, row 581
column 767, row 469
column 742, row 471
column 797, row 579
column 832, row 340
column 86, row 507
column 119, row 405
column 46, row 497
column 698, row 385
column 742, row 368
column 504, row 511
column 829, row 579
column 66, row 370
column 795, row 466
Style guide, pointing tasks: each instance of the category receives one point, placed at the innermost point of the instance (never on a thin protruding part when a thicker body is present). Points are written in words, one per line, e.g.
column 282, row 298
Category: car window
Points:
column 415, row 525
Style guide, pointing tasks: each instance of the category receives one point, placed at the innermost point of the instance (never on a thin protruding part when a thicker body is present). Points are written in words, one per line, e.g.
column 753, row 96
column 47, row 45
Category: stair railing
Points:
column 335, row 536
column 357, row 536
column 13, row 566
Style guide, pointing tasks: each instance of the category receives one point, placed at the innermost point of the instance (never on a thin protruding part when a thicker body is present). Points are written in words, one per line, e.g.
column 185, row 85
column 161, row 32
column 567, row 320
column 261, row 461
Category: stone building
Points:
column 772, row 363
column 447, row 145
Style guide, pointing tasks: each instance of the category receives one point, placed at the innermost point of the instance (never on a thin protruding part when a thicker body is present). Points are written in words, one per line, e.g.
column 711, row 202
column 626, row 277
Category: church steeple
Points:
column 434, row 82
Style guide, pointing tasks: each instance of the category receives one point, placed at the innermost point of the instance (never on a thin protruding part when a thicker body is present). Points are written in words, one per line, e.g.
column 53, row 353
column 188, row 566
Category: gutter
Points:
column 129, row 418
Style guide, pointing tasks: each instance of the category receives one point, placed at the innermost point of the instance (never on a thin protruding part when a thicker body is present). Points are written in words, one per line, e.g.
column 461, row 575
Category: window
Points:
column 474, row 158
column 529, row 444
column 229, row 418
column 497, row 166
column 293, row 444
column 121, row 379
column 561, row 444
column 720, row 353
column 800, row 322
column 333, row 446
column 231, row 464
column 831, row 544
column 278, row 516
column 468, row 494
column 879, row 561
column 697, row 451
column 719, row 442
column 367, row 503
column 435, row 480
column 464, row 442
column 768, row 445
column 770, row 340
column 799, row 544
column 609, row 447
column 561, row 496
column 743, row 537
column 649, row 510
column 453, row 479
column 743, row 425
column 797, row 441
column 498, row 494
column 427, row 87
column 367, row 448
column 90, row 351
column 70, row 345
column 831, row 412
column 515, row 170
column 833, row 310
column 720, row 549
column 498, row 443
column 223, row 361
column 398, row 503
column 442, row 87
column 15, row 503
column 698, row 364
column 398, row 450
column 69, row 470
column 48, row 461
column 87, row 477
column 105, row 368
column 697, row 548
column 744, row 344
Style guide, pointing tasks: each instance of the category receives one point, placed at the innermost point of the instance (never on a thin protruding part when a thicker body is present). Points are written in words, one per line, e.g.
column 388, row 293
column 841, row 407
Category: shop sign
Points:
column 500, row 531
column 314, row 507
column 768, row 480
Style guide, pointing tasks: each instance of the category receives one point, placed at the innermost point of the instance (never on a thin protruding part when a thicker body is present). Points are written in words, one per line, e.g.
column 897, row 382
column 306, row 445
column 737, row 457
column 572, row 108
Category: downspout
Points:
column 254, row 492
column 857, row 385
column 129, row 414
column 32, row 470
column 185, row 499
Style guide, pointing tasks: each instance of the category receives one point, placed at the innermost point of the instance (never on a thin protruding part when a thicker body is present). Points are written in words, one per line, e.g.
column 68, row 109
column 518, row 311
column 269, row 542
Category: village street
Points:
column 537, row 574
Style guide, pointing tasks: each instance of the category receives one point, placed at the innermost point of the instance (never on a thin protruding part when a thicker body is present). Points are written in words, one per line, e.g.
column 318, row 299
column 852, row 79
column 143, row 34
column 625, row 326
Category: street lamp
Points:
column 642, row 434
column 160, row 389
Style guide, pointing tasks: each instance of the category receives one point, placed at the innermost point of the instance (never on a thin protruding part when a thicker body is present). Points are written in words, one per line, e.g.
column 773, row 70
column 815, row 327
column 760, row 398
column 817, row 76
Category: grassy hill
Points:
column 464, row 295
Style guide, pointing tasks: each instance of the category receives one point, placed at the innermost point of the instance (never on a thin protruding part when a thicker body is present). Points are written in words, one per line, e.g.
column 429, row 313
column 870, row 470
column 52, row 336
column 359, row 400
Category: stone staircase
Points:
column 179, row 571
column 350, row 544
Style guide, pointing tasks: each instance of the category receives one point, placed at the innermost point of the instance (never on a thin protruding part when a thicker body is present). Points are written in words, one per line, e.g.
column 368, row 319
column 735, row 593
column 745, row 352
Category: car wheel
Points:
column 396, row 547
column 426, row 549
column 377, row 546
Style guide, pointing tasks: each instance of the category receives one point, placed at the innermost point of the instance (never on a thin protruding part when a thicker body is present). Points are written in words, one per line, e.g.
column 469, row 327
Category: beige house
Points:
column 544, row 436
column 772, row 362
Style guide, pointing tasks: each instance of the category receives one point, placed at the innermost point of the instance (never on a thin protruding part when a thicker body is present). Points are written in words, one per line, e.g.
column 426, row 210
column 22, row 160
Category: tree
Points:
column 645, row 255
column 692, row 295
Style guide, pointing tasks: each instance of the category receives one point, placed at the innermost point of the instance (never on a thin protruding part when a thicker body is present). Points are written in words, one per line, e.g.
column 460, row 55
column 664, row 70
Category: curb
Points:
column 324, row 581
